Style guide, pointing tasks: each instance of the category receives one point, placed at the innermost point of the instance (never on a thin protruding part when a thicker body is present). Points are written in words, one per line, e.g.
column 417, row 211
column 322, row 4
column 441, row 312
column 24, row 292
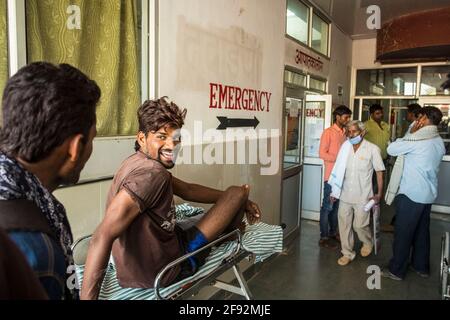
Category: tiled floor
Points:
column 309, row 272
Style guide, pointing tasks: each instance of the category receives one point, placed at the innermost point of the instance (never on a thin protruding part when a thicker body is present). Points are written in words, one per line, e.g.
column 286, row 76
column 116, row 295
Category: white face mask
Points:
column 355, row 140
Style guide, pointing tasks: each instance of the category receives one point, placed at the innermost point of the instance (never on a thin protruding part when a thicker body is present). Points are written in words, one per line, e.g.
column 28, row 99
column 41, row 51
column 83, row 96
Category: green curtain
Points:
column 106, row 48
column 3, row 47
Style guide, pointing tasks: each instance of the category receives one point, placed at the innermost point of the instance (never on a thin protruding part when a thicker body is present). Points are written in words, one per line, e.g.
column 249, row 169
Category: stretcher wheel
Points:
column 445, row 268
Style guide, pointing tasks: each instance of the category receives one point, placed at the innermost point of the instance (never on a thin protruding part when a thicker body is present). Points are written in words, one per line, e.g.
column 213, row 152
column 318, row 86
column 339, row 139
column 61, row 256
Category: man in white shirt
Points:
column 363, row 158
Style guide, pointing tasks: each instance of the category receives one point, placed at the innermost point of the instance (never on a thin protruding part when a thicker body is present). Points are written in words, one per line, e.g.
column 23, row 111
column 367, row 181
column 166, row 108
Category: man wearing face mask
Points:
column 352, row 184
column 140, row 226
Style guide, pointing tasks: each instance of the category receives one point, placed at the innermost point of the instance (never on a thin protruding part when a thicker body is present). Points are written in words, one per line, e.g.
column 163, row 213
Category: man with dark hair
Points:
column 330, row 143
column 46, row 138
column 378, row 131
column 412, row 114
column 140, row 226
column 413, row 110
column 414, row 183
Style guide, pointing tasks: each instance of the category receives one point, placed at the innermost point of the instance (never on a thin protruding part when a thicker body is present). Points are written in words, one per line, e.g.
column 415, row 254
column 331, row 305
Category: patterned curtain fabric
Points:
column 102, row 41
column 3, row 47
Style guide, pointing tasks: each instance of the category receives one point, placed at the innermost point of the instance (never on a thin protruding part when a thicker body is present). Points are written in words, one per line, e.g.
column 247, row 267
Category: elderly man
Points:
column 351, row 182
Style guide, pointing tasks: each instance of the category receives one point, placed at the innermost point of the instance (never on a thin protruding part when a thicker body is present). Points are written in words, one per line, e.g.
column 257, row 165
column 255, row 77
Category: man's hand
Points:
column 419, row 124
column 253, row 212
column 376, row 198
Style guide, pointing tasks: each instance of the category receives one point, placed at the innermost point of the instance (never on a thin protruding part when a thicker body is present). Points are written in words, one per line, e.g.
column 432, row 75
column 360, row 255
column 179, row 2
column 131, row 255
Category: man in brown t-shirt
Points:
column 139, row 226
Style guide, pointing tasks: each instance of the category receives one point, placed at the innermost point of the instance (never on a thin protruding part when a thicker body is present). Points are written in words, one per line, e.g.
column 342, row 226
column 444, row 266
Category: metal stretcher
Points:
column 81, row 246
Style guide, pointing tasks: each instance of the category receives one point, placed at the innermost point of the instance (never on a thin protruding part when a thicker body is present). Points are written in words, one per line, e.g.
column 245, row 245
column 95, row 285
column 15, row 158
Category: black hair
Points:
column 156, row 114
column 432, row 113
column 414, row 108
column 375, row 107
column 340, row 111
column 43, row 105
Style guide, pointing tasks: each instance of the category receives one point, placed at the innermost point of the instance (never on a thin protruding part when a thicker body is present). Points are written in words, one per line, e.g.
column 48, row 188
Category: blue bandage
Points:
column 196, row 243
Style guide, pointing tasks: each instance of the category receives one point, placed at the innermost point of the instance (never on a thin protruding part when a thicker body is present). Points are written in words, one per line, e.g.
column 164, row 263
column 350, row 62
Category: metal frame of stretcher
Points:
column 193, row 287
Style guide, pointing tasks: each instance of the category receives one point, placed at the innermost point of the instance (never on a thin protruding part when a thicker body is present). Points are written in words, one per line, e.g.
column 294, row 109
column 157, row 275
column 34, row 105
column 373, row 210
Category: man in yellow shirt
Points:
column 378, row 131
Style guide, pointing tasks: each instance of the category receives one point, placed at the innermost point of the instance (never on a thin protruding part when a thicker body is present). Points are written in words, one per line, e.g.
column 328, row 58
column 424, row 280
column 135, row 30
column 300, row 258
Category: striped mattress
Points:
column 261, row 239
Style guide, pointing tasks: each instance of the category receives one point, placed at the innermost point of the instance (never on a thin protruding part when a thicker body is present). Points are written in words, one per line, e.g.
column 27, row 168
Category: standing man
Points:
column 351, row 181
column 421, row 154
column 378, row 131
column 412, row 114
column 330, row 143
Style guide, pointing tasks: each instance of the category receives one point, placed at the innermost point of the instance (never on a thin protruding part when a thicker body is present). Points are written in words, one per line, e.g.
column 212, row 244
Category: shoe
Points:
column 366, row 250
column 336, row 238
column 421, row 274
column 387, row 274
column 327, row 243
column 343, row 261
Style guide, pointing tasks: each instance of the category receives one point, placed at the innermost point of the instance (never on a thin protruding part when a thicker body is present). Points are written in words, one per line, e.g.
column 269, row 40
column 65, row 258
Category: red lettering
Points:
column 268, row 95
column 235, row 98
column 231, row 98
column 259, row 105
column 238, row 98
column 222, row 96
column 251, row 100
column 244, row 100
column 212, row 95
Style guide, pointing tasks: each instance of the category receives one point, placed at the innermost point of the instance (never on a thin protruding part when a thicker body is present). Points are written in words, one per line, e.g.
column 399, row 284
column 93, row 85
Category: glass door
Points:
column 292, row 133
column 317, row 119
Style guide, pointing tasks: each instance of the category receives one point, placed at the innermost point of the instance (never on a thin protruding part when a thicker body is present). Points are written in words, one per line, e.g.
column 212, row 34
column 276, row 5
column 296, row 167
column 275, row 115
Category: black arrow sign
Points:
column 235, row 123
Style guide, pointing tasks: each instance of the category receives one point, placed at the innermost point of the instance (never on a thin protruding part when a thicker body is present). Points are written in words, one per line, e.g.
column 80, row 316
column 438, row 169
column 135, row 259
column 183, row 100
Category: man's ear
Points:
column 76, row 146
column 141, row 140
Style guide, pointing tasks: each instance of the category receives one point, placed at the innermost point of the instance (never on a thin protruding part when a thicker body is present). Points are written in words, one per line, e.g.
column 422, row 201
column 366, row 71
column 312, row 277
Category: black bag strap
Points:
column 23, row 215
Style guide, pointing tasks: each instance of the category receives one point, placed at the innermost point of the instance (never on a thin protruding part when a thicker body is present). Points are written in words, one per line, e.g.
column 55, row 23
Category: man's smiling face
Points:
column 161, row 145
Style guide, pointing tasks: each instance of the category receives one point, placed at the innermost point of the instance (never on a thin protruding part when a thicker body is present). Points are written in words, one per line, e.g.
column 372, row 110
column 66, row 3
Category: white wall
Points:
column 364, row 53
column 340, row 66
column 234, row 42
column 238, row 43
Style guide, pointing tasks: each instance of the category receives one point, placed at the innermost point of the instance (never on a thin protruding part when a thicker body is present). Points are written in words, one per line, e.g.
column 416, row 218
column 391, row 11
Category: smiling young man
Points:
column 139, row 226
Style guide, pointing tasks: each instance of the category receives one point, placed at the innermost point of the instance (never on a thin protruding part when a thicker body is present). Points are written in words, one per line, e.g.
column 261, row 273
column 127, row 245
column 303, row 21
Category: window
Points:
column 356, row 109
column 319, row 39
column 318, row 84
column 387, row 82
column 295, row 78
column 3, row 46
column 101, row 38
column 297, row 20
column 435, row 81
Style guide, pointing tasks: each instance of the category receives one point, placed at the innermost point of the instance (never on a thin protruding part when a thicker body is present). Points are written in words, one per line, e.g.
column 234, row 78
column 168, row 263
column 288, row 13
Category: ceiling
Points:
column 351, row 15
